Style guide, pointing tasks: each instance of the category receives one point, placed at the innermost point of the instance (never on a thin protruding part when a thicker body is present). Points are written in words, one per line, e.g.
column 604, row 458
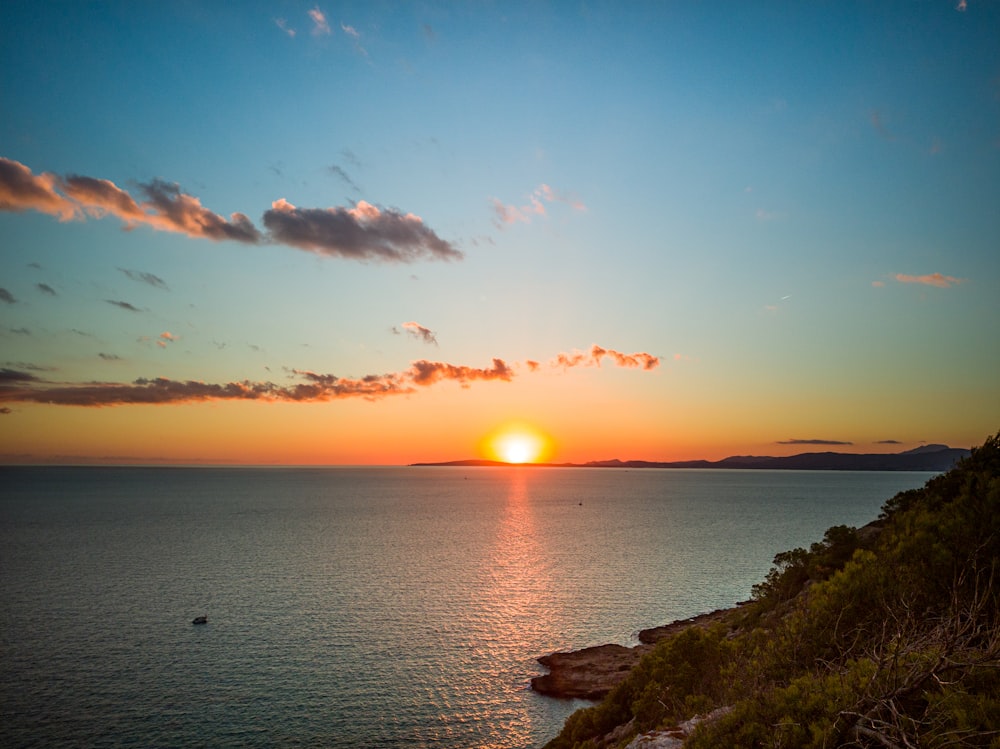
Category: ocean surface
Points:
column 362, row 607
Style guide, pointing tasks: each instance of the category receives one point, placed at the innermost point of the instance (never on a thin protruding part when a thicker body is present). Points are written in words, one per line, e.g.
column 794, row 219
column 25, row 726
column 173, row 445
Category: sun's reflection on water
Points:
column 517, row 594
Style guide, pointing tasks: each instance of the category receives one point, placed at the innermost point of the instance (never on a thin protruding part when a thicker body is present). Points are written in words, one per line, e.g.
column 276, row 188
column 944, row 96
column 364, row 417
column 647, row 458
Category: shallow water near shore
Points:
column 363, row 607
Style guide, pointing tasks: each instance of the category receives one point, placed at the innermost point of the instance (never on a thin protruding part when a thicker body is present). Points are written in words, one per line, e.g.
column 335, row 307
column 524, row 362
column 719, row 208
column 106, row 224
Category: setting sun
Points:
column 517, row 443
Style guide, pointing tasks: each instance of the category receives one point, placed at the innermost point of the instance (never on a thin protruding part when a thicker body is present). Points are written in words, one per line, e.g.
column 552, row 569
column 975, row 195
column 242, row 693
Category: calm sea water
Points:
column 362, row 607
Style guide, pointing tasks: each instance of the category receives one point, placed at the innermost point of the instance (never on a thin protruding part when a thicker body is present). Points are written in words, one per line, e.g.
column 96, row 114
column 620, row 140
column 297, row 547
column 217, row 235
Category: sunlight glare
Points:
column 518, row 443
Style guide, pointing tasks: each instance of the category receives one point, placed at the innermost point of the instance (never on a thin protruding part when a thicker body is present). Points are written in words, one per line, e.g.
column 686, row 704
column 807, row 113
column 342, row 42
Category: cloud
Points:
column 123, row 305
column 46, row 289
column 510, row 214
column 763, row 215
column 875, row 117
column 185, row 214
column 166, row 207
column 109, row 357
column 878, row 284
column 8, row 375
column 146, row 278
column 364, row 232
column 165, row 338
column 555, row 196
column 419, row 332
column 888, row 442
column 812, row 442
column 6, row 296
column 320, row 25
column 962, row 6
column 338, row 172
column 282, row 24
column 931, row 279
column 20, row 190
column 593, row 358
column 425, row 372
column 19, row 386
column 99, row 197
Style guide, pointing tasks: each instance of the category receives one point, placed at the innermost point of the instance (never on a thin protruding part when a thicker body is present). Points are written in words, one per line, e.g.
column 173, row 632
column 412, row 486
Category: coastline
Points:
column 590, row 673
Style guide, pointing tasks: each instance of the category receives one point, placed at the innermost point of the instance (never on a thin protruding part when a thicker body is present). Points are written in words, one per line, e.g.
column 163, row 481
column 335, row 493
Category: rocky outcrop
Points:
column 587, row 674
column 590, row 673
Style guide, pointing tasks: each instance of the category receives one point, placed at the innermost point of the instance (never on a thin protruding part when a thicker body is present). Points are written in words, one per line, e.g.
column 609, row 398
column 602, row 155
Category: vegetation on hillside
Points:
column 887, row 636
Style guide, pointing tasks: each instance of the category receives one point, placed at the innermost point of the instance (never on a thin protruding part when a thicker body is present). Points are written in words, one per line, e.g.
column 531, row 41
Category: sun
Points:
column 517, row 443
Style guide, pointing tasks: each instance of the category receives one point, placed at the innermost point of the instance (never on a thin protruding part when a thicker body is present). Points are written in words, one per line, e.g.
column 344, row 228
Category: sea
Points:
column 363, row 606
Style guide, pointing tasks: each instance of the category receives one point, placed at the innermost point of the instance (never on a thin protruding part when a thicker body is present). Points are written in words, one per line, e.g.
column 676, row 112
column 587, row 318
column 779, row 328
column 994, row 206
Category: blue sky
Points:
column 793, row 206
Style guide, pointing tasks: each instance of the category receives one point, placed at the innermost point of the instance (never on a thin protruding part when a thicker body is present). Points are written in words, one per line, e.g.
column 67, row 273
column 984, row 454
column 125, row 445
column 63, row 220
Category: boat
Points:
column 200, row 620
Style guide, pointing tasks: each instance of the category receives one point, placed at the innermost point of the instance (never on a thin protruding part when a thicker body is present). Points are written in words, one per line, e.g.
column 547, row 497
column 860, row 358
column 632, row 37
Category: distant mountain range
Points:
column 926, row 458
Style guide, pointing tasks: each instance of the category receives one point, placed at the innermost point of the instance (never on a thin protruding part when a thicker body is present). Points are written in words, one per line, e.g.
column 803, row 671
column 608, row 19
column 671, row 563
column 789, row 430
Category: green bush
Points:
column 865, row 640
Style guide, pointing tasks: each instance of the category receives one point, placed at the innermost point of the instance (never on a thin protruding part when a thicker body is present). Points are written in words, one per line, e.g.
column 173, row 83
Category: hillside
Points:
column 886, row 636
column 926, row 458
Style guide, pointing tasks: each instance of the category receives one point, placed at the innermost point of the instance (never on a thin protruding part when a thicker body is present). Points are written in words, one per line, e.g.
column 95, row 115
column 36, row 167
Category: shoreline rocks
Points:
column 590, row 673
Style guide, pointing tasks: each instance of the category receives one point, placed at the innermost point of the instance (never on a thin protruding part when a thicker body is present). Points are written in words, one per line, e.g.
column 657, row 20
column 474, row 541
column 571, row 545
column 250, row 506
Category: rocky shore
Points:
column 591, row 673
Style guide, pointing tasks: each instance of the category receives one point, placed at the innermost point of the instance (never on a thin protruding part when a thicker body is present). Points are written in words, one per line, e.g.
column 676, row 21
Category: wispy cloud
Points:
column 355, row 37
column 166, row 337
column 888, row 442
column 109, row 357
column 812, row 442
column 337, row 171
column 146, row 278
column 419, row 332
column 6, row 296
column 321, row 26
column 939, row 280
column 20, row 386
column 282, row 24
column 877, row 121
column 364, row 232
column 123, row 305
column 593, row 357
column 505, row 214
column 46, row 289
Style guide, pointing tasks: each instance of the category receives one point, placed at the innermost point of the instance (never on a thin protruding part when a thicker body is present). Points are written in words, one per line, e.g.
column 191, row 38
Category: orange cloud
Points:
column 175, row 211
column 165, row 338
column 420, row 332
column 511, row 214
column 425, row 372
column 16, row 386
column 20, row 190
column 100, row 196
column 597, row 353
column 931, row 279
column 166, row 208
column 320, row 24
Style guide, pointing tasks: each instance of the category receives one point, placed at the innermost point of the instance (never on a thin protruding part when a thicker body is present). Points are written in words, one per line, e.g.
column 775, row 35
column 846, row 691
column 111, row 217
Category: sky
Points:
column 281, row 232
